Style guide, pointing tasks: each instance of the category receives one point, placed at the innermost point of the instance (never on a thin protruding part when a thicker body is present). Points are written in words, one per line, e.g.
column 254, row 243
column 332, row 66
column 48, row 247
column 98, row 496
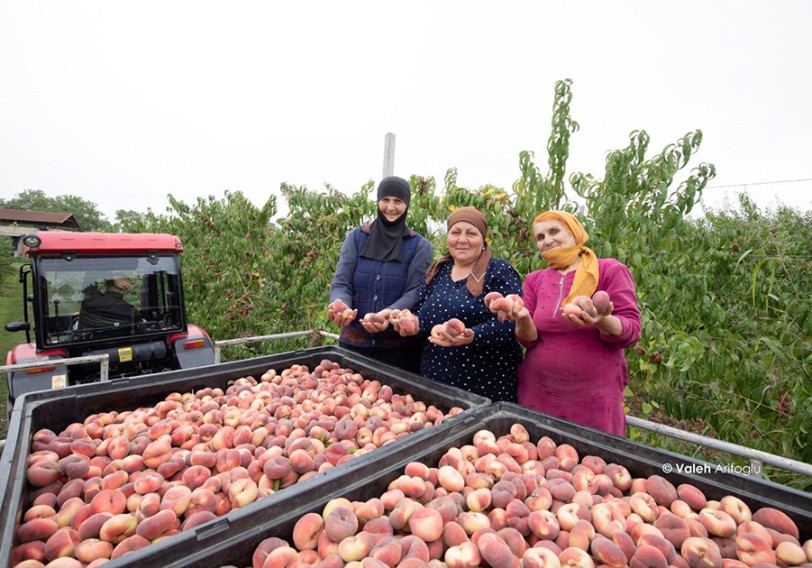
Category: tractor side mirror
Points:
column 18, row 326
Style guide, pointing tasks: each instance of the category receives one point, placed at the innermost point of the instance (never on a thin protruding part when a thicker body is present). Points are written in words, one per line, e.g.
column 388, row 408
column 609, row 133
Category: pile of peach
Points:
column 508, row 502
column 122, row 480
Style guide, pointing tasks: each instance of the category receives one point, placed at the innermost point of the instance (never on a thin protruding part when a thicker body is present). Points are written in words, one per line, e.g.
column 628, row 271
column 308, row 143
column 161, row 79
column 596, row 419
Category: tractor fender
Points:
column 192, row 349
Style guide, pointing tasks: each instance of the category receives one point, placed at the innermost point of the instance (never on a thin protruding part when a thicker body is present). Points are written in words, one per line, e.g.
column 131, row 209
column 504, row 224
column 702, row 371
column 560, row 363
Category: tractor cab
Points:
column 102, row 293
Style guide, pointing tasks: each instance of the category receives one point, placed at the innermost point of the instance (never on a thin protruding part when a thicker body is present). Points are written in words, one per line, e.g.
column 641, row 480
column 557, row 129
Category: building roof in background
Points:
column 38, row 218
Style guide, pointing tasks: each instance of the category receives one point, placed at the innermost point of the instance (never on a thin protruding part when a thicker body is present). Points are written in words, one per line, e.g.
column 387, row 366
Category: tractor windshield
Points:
column 92, row 298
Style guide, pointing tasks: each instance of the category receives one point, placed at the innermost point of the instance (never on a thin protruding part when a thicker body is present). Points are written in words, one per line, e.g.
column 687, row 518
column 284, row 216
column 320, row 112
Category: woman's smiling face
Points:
column 552, row 233
column 392, row 208
column 464, row 242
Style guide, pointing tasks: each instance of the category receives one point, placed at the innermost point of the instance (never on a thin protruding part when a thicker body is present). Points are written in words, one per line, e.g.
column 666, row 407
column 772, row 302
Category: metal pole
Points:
column 328, row 334
column 218, row 345
column 756, row 457
column 255, row 338
column 389, row 155
column 103, row 360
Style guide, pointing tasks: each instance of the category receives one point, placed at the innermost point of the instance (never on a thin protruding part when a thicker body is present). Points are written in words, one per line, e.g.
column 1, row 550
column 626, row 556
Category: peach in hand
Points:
column 454, row 327
column 438, row 331
column 585, row 303
column 339, row 312
column 373, row 317
column 600, row 300
column 490, row 297
column 572, row 309
column 409, row 325
column 404, row 322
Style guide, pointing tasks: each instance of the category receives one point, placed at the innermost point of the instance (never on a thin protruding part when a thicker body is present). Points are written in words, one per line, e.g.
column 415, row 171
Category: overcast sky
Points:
column 124, row 103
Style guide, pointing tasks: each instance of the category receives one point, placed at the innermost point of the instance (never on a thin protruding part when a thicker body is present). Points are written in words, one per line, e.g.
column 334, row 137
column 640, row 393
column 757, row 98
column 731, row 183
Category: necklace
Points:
column 462, row 273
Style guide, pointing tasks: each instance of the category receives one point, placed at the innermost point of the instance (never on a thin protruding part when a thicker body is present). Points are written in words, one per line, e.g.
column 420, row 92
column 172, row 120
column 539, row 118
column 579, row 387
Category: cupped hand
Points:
column 340, row 314
column 404, row 322
column 452, row 333
column 376, row 322
column 506, row 308
column 574, row 314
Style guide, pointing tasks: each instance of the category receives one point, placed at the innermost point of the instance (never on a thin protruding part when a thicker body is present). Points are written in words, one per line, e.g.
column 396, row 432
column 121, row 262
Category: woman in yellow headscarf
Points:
column 574, row 367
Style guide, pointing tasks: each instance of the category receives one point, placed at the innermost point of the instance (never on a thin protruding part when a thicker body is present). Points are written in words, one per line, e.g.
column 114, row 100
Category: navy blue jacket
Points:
column 371, row 286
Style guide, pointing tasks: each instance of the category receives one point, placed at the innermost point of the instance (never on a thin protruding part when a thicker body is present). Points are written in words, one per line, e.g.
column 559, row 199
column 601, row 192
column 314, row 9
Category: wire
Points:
column 738, row 254
column 759, row 183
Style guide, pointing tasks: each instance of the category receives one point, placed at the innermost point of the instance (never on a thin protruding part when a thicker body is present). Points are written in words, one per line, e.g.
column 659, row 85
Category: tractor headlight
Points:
column 32, row 241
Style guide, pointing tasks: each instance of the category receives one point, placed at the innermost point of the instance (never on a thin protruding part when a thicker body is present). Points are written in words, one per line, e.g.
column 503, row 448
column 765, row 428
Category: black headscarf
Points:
column 385, row 236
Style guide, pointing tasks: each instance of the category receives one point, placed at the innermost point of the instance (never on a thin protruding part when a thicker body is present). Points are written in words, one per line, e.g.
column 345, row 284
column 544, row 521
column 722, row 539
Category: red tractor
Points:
column 102, row 293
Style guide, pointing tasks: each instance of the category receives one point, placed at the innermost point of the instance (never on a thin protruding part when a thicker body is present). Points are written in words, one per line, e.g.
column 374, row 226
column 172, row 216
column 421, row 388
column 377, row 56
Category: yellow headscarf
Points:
column 586, row 274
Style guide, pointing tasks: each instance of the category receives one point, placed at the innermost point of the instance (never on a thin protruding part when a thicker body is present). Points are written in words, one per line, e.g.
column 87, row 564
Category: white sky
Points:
column 124, row 103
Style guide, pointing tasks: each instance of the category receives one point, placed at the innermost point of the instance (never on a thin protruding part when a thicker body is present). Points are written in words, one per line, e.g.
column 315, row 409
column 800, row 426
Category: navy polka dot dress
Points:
column 487, row 366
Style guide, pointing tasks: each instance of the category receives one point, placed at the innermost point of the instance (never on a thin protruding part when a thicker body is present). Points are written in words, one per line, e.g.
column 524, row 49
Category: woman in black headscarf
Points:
column 379, row 269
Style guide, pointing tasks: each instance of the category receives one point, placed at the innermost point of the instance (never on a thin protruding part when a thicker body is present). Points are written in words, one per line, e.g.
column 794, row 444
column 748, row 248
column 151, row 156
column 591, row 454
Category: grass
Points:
column 9, row 311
